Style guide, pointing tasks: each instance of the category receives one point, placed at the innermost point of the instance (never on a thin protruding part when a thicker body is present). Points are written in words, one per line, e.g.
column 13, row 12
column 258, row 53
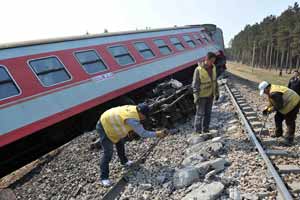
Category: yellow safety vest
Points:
column 290, row 98
column 208, row 85
column 113, row 121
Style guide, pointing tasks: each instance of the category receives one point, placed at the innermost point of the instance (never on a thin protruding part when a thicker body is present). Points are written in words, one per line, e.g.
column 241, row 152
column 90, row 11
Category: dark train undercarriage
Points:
column 170, row 99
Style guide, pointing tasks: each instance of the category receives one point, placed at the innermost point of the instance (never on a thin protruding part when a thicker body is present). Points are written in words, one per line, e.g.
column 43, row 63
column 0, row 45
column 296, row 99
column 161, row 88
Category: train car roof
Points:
column 88, row 36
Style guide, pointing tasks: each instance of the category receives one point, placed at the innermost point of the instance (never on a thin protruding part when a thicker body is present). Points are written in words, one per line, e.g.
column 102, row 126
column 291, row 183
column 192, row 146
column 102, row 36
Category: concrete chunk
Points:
column 285, row 169
column 205, row 149
column 195, row 139
column 185, row 177
column 192, row 160
column 206, row 192
column 216, row 164
column 217, row 139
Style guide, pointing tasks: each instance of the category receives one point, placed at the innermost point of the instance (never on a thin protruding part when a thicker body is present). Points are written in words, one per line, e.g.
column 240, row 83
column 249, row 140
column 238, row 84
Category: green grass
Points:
column 257, row 74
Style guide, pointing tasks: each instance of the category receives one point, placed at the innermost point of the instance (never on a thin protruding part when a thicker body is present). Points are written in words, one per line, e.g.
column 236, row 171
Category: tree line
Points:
column 273, row 43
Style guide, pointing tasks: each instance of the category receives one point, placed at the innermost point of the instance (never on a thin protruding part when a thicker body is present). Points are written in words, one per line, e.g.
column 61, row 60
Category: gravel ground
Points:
column 74, row 173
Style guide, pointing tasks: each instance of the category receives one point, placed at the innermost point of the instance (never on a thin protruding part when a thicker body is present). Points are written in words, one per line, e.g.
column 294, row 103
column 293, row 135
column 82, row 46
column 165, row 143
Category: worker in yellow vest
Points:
column 286, row 103
column 205, row 89
column 114, row 127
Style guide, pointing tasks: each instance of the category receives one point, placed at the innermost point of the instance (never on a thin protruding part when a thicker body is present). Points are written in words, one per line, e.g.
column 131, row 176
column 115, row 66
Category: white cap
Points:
column 262, row 86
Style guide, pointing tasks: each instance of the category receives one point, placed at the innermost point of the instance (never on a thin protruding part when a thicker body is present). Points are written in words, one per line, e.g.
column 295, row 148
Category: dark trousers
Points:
column 290, row 119
column 203, row 112
column 107, row 147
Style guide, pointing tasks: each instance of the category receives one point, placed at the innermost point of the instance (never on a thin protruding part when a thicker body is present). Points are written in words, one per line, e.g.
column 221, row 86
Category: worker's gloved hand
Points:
column 216, row 97
column 161, row 133
column 132, row 136
column 265, row 112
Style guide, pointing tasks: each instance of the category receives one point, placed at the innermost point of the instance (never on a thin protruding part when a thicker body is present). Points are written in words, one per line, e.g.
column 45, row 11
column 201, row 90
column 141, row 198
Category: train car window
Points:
column 204, row 37
column 177, row 43
column 189, row 41
column 144, row 50
column 197, row 38
column 50, row 71
column 208, row 38
column 122, row 55
column 8, row 88
column 162, row 46
column 90, row 61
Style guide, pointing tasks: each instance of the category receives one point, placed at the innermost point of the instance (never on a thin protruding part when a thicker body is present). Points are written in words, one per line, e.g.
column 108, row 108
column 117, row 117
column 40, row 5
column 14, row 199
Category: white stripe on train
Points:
column 58, row 46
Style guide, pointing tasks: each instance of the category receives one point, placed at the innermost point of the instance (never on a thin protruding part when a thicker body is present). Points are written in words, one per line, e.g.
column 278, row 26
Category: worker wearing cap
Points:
column 286, row 104
column 205, row 89
column 116, row 125
column 294, row 82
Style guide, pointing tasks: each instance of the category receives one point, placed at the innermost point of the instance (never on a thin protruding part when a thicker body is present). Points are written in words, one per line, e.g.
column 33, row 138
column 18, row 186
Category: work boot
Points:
column 106, row 183
column 278, row 133
column 206, row 131
column 288, row 141
column 129, row 163
column 96, row 144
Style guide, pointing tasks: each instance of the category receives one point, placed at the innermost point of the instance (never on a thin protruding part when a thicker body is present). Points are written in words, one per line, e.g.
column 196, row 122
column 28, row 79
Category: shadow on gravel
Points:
column 36, row 170
column 249, row 83
column 244, row 145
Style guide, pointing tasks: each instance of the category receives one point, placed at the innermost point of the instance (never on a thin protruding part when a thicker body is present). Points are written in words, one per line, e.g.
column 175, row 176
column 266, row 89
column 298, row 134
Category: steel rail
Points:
column 279, row 182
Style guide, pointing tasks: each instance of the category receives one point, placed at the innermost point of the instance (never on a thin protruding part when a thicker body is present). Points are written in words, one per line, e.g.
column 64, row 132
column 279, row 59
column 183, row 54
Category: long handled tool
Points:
column 264, row 125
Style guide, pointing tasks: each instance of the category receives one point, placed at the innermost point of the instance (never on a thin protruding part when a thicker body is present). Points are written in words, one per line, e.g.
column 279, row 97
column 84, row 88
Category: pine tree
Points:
column 272, row 43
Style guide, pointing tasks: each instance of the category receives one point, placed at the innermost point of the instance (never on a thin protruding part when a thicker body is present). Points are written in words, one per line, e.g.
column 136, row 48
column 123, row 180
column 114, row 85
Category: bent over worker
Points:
column 205, row 89
column 114, row 127
column 286, row 103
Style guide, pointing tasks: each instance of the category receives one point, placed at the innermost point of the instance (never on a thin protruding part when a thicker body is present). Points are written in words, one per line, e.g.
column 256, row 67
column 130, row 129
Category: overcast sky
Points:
column 35, row 19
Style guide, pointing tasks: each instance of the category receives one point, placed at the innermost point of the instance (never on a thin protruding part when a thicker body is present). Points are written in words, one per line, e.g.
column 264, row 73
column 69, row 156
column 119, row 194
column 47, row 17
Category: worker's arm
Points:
column 289, row 85
column 139, row 129
column 277, row 100
column 196, row 84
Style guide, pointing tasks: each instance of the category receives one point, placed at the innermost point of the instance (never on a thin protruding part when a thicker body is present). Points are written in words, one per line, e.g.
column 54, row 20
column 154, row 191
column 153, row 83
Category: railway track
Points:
column 255, row 128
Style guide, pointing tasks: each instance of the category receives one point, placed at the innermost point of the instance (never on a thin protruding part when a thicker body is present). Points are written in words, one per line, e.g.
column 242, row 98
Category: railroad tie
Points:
column 272, row 152
column 286, row 169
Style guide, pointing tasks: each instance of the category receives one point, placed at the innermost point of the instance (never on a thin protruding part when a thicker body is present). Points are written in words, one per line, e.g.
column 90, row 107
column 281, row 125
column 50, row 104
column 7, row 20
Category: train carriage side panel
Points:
column 84, row 92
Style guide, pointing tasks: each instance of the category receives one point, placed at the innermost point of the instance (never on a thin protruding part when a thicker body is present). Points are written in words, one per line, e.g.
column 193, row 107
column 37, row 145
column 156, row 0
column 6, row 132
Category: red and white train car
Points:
column 52, row 88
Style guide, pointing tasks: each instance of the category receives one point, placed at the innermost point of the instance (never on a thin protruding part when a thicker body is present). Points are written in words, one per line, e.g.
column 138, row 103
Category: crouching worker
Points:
column 286, row 104
column 117, row 125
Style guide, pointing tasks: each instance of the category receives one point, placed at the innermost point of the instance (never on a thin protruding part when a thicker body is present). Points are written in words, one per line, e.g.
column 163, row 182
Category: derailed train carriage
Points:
column 53, row 90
